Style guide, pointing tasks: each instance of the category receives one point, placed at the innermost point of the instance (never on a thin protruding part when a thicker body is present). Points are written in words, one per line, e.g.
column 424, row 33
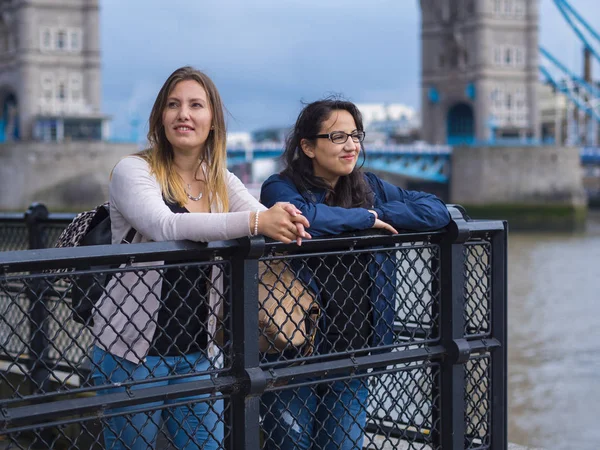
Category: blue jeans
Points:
column 329, row 416
column 191, row 426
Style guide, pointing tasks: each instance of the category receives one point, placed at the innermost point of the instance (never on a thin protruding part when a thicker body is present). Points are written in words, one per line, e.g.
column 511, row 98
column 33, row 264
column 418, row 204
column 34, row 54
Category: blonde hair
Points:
column 160, row 153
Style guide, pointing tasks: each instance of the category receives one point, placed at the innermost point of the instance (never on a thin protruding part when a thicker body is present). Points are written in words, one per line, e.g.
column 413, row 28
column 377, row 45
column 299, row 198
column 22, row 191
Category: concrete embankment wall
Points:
column 69, row 176
column 531, row 187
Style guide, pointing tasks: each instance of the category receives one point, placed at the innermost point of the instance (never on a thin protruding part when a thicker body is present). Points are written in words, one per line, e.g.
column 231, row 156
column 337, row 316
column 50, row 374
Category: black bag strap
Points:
column 130, row 235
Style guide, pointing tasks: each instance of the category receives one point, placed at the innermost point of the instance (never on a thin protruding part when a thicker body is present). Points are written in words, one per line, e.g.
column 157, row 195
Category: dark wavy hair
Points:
column 351, row 191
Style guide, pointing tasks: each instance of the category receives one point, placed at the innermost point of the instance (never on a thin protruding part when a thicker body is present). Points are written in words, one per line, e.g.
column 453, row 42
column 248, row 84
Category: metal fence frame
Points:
column 462, row 347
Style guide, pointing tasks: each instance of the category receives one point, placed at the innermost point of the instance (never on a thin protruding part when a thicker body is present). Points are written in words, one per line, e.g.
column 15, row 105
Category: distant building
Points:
column 562, row 122
column 388, row 123
column 479, row 70
column 271, row 134
column 50, row 74
column 239, row 139
column 554, row 109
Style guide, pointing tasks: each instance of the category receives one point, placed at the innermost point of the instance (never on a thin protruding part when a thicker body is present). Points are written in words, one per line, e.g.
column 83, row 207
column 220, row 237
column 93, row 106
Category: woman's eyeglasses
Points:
column 340, row 137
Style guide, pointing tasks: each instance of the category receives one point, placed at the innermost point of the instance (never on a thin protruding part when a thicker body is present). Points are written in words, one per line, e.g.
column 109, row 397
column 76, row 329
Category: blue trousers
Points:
column 191, row 426
column 329, row 416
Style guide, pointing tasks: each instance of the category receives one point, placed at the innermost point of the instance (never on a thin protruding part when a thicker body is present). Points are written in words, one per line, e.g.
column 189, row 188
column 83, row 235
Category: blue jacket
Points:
column 407, row 210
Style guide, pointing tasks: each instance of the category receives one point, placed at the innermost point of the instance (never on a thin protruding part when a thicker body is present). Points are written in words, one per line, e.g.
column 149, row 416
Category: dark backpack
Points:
column 89, row 228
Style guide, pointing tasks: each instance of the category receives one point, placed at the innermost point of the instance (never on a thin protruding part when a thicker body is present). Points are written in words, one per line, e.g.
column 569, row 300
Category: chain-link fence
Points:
column 358, row 341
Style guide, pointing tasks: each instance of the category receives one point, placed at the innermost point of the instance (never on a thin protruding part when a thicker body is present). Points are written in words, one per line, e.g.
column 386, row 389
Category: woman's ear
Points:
column 307, row 148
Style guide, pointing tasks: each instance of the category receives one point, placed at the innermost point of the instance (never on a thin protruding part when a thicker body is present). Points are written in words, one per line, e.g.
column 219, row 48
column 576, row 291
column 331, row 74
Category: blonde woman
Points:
column 152, row 326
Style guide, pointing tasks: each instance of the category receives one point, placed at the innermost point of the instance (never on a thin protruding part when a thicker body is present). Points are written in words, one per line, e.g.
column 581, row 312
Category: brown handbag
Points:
column 288, row 312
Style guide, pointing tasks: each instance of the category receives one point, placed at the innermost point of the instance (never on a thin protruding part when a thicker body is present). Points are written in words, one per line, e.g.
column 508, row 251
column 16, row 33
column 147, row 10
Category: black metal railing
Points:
column 428, row 369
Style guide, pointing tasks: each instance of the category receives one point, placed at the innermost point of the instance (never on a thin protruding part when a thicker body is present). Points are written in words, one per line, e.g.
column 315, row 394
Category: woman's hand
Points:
column 381, row 224
column 283, row 222
column 300, row 229
column 384, row 226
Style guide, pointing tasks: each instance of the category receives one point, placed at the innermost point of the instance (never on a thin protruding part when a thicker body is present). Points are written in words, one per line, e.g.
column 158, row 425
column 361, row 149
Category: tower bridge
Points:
column 485, row 79
column 481, row 86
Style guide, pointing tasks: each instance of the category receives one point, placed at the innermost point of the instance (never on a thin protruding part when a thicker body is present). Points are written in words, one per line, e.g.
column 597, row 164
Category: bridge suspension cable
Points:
column 580, row 27
column 583, row 108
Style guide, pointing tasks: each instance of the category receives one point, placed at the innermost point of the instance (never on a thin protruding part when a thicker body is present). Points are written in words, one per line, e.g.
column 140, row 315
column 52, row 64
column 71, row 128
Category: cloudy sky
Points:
column 266, row 56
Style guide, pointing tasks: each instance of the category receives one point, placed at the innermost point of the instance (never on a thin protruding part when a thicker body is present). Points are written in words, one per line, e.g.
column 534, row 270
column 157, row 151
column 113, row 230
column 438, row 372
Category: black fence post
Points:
column 499, row 305
column 245, row 401
column 38, row 314
column 452, row 324
column 35, row 214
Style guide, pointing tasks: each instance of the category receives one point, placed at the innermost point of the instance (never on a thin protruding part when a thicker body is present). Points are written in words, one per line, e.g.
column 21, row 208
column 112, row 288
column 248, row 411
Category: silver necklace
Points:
column 190, row 196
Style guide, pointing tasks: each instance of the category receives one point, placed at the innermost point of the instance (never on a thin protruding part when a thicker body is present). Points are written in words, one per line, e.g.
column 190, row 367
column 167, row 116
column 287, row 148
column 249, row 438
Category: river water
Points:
column 554, row 338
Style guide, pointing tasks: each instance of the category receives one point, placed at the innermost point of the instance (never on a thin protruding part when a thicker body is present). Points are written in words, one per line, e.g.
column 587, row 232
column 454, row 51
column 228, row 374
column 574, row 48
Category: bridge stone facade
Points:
column 67, row 176
column 533, row 187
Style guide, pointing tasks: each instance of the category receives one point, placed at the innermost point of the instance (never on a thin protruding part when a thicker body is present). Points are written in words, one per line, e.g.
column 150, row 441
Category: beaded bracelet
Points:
column 256, row 224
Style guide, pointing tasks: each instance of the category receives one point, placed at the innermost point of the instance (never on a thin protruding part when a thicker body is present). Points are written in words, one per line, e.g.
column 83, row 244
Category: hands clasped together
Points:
column 284, row 222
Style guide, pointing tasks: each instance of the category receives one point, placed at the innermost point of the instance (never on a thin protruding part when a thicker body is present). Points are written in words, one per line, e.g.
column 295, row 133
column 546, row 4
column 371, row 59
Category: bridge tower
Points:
column 50, row 78
column 479, row 68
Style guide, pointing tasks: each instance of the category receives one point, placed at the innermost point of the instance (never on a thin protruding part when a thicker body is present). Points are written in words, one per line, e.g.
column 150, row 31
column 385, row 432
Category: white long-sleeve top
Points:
column 131, row 305
column 136, row 201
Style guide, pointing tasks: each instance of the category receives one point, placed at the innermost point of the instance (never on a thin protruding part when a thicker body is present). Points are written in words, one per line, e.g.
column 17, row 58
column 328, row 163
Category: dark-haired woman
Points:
column 322, row 179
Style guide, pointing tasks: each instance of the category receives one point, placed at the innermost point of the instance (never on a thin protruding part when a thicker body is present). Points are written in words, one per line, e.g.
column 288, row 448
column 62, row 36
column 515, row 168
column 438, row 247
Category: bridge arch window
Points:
column 46, row 39
column 75, row 83
column 460, row 124
column 497, row 97
column 61, row 39
column 520, row 99
column 9, row 114
column 13, row 42
column 497, row 56
column 519, row 57
column 470, row 7
column 75, row 40
column 446, row 11
column 61, row 91
column 454, row 58
column 508, row 57
column 497, row 9
column 519, row 9
column 47, row 82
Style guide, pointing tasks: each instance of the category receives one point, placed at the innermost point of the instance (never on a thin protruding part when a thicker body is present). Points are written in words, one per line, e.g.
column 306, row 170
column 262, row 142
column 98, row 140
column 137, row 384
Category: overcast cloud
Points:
column 266, row 56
